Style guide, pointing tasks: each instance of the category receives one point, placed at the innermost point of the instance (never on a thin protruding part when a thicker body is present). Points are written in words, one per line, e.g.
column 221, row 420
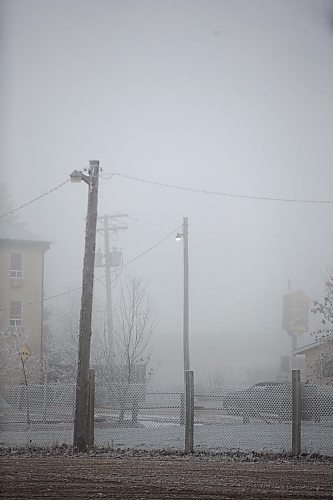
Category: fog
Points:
column 228, row 96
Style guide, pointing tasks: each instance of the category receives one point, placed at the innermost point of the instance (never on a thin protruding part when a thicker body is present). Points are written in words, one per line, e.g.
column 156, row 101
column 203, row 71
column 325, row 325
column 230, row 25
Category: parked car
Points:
column 262, row 399
column 4, row 407
column 3, row 404
column 274, row 400
column 317, row 401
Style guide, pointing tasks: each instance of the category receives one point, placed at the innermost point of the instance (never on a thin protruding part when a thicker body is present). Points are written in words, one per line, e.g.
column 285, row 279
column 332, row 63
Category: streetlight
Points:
column 188, row 374
column 78, row 176
column 81, row 428
column 186, row 315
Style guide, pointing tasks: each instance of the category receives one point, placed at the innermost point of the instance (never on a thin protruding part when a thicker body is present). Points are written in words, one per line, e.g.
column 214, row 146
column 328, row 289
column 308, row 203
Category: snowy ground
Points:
column 154, row 433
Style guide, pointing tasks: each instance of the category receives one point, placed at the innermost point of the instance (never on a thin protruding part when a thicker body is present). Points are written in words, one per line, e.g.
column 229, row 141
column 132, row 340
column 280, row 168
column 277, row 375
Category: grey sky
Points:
column 234, row 96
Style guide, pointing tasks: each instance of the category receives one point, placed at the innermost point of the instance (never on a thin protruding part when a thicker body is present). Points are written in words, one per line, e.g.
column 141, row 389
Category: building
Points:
column 21, row 293
column 318, row 362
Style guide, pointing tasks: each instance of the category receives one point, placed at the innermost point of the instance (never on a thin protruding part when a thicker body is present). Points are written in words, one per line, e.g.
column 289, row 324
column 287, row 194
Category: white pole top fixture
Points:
column 76, row 176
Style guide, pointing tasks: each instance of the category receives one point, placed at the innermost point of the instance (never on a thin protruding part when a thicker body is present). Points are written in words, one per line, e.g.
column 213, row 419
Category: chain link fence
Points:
column 37, row 415
column 259, row 418
column 151, row 417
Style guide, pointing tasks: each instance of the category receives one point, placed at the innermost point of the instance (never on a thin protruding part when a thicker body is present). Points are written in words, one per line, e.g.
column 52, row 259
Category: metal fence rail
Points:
column 148, row 416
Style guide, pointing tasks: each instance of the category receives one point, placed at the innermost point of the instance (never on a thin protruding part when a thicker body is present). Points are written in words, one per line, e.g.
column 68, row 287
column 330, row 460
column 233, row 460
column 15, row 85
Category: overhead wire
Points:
column 13, row 210
column 103, row 276
column 109, row 176
column 218, row 193
column 152, row 247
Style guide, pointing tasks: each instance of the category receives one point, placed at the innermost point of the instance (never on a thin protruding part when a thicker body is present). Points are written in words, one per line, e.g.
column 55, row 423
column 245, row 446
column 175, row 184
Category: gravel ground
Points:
column 59, row 473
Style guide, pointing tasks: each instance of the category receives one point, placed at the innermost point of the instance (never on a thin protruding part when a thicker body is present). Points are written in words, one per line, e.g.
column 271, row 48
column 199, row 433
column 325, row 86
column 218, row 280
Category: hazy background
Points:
column 232, row 96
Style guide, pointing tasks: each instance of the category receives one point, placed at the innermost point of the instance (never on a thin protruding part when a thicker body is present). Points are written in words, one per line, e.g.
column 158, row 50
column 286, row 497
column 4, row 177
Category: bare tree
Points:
column 61, row 344
column 134, row 327
column 124, row 371
column 58, row 345
column 215, row 375
column 14, row 341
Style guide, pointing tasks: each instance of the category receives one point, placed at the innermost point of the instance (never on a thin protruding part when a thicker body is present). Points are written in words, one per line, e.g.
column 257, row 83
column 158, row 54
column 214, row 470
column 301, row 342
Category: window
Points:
column 15, row 317
column 16, row 268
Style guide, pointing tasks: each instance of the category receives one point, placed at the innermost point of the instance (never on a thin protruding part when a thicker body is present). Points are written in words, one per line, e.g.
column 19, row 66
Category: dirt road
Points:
column 31, row 477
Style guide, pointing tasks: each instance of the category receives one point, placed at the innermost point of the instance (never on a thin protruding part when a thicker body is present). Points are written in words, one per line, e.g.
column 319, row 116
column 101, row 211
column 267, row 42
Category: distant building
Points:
column 21, row 291
column 318, row 362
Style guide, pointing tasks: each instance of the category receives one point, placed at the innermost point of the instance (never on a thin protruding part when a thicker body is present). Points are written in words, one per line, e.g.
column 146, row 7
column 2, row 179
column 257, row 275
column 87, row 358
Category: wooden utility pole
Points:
column 81, row 438
column 106, row 228
column 109, row 314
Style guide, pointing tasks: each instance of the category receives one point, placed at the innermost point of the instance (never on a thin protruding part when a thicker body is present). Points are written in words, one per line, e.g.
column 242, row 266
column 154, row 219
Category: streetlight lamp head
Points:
column 76, row 176
column 179, row 236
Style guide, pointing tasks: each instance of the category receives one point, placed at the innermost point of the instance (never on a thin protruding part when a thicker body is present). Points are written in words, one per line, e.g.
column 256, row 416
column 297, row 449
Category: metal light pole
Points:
column 187, row 416
column 186, row 313
column 186, row 324
column 81, row 437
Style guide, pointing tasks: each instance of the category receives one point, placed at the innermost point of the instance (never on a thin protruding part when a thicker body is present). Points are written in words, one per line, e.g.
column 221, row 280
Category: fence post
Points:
column 296, row 412
column 189, row 410
column 91, row 409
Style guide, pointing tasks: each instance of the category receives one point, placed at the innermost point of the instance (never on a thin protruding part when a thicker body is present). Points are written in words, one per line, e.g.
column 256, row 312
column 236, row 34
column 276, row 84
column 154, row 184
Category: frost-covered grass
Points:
column 256, row 436
column 163, row 454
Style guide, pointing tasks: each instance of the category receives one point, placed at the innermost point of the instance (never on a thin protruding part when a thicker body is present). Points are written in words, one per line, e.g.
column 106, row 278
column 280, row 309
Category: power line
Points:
column 218, row 193
column 101, row 277
column 49, row 298
column 152, row 247
column 34, row 199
